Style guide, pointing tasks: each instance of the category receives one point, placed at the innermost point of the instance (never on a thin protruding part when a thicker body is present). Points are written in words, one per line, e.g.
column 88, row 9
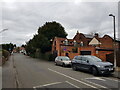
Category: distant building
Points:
column 84, row 44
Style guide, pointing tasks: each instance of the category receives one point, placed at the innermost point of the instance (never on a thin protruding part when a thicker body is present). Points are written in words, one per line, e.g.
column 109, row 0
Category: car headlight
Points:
column 100, row 66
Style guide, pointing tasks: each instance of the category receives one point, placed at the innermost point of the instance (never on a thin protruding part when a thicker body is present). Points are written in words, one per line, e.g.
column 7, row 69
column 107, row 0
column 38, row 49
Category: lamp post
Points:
column 114, row 39
column 3, row 30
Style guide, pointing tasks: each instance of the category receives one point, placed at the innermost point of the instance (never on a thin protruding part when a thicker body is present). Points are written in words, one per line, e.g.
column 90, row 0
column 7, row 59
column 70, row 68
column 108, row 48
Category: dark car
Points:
column 93, row 64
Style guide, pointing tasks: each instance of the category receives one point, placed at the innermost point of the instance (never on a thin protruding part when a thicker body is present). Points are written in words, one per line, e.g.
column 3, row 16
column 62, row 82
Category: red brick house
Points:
column 83, row 44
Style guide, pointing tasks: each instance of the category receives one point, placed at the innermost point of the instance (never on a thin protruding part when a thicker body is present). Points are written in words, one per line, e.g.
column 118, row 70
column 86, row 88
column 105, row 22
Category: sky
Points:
column 23, row 18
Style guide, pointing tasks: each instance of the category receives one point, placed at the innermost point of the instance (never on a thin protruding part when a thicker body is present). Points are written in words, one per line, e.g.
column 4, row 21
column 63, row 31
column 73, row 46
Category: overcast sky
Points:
column 23, row 18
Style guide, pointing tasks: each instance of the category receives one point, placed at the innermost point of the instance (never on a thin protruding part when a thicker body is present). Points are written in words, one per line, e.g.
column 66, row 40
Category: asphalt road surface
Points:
column 25, row 72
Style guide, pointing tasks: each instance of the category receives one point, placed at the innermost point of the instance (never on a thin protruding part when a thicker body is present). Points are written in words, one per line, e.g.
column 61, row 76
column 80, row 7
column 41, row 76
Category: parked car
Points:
column 93, row 64
column 63, row 60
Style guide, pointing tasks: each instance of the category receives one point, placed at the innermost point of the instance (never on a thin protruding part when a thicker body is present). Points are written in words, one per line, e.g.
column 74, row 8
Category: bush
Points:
column 51, row 57
column 44, row 56
column 5, row 54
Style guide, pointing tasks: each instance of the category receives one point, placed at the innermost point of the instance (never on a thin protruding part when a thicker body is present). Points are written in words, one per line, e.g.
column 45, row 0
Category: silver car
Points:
column 63, row 61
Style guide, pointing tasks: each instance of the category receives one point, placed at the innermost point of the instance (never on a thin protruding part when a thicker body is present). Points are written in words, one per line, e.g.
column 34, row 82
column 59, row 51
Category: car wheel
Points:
column 74, row 67
column 94, row 71
column 63, row 65
column 56, row 64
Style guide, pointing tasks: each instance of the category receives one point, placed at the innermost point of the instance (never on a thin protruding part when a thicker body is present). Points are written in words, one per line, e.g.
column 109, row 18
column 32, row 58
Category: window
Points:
column 75, row 43
column 75, row 57
column 79, row 58
column 64, row 58
column 55, row 48
column 56, row 58
column 66, row 42
column 75, row 50
column 84, row 59
column 70, row 42
column 62, row 42
column 94, row 58
column 55, row 43
column 81, row 43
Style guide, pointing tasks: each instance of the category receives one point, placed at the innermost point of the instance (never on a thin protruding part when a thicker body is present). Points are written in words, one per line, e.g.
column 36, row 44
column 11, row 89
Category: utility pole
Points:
column 114, row 40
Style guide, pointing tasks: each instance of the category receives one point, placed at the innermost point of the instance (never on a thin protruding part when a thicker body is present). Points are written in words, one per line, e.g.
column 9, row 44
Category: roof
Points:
column 88, row 35
column 62, row 39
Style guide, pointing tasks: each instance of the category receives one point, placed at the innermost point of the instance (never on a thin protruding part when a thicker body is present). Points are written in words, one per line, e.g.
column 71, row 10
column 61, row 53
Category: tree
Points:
column 52, row 29
column 22, row 45
column 41, row 40
column 9, row 47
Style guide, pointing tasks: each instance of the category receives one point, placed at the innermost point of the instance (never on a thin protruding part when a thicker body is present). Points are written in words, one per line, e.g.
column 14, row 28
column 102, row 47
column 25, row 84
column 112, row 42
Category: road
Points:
column 25, row 72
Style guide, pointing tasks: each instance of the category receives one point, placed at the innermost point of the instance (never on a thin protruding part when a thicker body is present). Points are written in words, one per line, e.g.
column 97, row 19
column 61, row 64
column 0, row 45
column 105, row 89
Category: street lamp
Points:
column 3, row 30
column 114, row 39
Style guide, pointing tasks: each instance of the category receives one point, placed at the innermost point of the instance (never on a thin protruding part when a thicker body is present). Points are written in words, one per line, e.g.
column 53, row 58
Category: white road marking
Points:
column 34, row 88
column 64, row 68
column 72, row 78
column 112, row 79
column 97, row 78
column 95, row 84
column 46, row 85
column 72, row 84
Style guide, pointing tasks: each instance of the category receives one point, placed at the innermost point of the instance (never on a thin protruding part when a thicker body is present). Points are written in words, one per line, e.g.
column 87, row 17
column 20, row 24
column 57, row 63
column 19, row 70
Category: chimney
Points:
column 77, row 32
column 96, row 35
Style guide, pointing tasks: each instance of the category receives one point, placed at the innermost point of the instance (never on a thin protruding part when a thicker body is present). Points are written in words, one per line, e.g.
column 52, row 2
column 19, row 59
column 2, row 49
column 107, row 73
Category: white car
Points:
column 63, row 60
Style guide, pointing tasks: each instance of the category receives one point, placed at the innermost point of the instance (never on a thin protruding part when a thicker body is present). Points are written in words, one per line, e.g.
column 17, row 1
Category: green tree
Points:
column 9, row 47
column 41, row 41
column 52, row 29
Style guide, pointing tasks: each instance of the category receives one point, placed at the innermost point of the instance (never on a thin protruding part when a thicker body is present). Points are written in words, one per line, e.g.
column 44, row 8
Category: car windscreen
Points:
column 65, row 58
column 95, row 59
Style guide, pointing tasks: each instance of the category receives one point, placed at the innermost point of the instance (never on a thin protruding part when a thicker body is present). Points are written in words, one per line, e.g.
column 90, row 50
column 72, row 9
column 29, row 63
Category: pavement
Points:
column 8, row 74
column 0, row 77
column 25, row 72
column 116, row 74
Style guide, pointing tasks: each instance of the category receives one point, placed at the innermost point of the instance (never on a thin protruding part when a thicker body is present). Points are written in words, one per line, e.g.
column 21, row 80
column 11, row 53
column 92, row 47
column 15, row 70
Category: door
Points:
column 78, row 62
column 85, row 52
column 60, row 61
column 85, row 63
column 67, row 54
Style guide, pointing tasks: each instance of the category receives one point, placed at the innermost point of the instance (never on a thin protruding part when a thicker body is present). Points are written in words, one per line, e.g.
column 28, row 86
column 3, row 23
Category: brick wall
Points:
column 88, row 48
column 102, row 54
column 106, row 42
column 71, row 55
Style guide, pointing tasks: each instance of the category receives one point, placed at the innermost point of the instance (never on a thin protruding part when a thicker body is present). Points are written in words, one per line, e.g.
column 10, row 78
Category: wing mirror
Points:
column 61, row 59
column 87, row 61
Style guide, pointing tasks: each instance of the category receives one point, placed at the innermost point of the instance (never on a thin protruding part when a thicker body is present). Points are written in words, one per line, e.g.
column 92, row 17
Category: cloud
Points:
column 23, row 18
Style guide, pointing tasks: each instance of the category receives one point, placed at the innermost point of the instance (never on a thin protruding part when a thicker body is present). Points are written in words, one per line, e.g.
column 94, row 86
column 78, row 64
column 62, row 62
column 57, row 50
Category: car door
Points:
column 60, row 60
column 85, row 63
column 78, row 62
